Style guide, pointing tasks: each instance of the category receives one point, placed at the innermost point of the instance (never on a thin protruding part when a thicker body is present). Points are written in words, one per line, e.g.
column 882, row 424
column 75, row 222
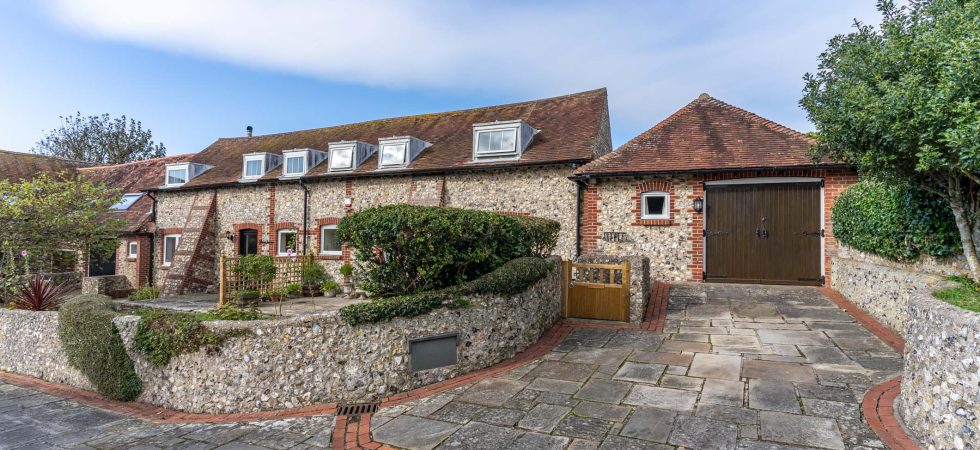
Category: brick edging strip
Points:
column 349, row 431
column 878, row 405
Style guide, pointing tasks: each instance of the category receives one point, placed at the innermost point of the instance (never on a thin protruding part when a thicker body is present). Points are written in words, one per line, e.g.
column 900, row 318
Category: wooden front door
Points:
column 763, row 233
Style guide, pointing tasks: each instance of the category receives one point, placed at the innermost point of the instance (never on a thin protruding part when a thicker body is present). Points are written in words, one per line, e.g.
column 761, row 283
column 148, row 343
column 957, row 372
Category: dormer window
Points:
column 346, row 156
column 501, row 140
column 399, row 151
column 256, row 165
column 299, row 162
column 180, row 173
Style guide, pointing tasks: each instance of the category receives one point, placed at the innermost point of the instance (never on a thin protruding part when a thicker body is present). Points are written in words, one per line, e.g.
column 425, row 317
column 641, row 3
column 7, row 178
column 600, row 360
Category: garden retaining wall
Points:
column 305, row 360
column 883, row 288
column 941, row 384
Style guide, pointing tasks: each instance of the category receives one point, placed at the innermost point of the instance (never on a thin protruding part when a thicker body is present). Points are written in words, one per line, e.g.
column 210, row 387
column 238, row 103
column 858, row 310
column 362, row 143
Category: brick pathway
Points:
column 747, row 367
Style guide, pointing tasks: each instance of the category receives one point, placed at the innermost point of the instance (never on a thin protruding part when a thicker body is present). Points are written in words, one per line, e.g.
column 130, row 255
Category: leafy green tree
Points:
column 902, row 103
column 100, row 139
column 42, row 216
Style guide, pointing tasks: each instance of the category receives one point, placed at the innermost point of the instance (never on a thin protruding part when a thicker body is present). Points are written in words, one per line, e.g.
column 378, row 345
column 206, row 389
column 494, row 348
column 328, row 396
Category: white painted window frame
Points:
column 352, row 148
column 645, row 215
column 499, row 154
column 328, row 252
column 280, row 241
column 186, row 168
column 132, row 249
column 249, row 158
column 176, row 236
column 285, row 163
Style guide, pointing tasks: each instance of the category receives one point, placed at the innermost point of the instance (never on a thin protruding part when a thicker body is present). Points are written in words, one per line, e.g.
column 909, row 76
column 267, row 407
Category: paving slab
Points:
column 547, row 384
column 726, row 413
column 722, row 392
column 583, row 427
column 598, row 356
column 650, row 424
column 561, row 370
column 535, row 441
column 684, row 346
column 706, row 365
column 543, row 417
column 794, row 337
column 701, row 433
column 640, row 372
column 478, row 435
column 773, row 396
column 603, row 391
column 492, row 392
column 500, row 416
column 605, row 411
column 671, row 359
column 414, row 432
column 681, row 382
column 675, row 399
column 800, row 430
column 779, row 371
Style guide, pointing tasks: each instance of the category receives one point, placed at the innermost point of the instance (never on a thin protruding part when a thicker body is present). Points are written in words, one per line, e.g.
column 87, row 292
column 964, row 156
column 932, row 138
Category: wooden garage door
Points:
column 763, row 233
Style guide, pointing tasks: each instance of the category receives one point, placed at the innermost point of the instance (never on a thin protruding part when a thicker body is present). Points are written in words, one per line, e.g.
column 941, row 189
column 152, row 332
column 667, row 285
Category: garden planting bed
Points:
column 299, row 361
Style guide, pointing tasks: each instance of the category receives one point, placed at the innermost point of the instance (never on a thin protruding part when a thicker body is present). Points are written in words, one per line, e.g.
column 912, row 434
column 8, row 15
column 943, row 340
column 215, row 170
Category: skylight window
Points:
column 127, row 201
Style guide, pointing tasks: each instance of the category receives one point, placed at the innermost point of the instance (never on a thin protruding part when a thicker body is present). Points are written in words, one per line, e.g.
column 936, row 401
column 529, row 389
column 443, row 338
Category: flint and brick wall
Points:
column 675, row 246
column 542, row 191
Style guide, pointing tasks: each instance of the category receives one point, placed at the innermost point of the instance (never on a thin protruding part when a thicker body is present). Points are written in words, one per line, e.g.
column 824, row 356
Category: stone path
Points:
column 748, row 367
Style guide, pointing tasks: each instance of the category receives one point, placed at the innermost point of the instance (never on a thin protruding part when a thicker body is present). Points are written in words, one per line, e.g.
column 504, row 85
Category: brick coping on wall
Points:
column 353, row 432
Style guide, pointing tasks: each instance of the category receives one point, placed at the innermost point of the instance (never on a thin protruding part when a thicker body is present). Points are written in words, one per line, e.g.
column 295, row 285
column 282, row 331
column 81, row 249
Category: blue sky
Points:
column 194, row 71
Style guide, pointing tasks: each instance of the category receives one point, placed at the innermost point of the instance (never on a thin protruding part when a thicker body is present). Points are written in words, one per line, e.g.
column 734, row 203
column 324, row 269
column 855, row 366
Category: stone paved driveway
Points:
column 749, row 367
column 746, row 367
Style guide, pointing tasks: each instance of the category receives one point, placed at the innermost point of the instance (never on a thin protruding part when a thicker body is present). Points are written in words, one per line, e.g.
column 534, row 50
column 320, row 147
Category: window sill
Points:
column 323, row 257
column 654, row 223
column 131, row 258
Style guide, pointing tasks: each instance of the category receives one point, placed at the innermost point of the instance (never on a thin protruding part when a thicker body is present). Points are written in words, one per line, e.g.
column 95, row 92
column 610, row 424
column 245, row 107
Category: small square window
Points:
column 287, row 243
column 393, row 154
column 253, row 168
column 133, row 249
column 656, row 205
column 296, row 165
column 170, row 243
column 176, row 176
column 342, row 158
column 329, row 245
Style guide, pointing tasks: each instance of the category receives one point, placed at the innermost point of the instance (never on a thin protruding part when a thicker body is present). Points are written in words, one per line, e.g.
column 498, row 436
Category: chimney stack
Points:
column 248, row 130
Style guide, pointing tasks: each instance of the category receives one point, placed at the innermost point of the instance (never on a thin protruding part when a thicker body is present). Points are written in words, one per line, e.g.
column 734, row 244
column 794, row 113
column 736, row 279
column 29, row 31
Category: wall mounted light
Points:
column 698, row 204
column 229, row 235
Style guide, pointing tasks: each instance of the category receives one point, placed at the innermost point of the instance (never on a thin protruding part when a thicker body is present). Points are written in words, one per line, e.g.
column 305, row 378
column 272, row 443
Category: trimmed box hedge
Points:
column 403, row 249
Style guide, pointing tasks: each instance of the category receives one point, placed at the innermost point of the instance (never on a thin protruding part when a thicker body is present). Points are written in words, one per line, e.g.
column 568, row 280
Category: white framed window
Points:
column 295, row 165
column 342, row 158
column 497, row 142
column 655, row 205
column 170, row 243
column 393, row 154
column 254, row 166
column 133, row 249
column 329, row 245
column 177, row 176
column 127, row 201
column 287, row 241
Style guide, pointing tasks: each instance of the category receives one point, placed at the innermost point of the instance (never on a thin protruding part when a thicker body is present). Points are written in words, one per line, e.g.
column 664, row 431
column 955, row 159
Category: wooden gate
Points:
column 597, row 291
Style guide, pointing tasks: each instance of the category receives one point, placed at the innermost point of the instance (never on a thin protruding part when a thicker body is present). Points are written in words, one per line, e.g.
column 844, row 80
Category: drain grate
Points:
column 357, row 409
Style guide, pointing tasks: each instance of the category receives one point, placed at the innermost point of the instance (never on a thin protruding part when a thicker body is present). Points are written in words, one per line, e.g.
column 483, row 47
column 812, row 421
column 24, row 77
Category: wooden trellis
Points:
column 289, row 270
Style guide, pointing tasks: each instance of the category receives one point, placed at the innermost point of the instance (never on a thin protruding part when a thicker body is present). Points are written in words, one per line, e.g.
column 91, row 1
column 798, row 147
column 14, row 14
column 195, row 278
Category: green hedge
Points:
column 512, row 278
column 403, row 249
column 896, row 222
column 94, row 347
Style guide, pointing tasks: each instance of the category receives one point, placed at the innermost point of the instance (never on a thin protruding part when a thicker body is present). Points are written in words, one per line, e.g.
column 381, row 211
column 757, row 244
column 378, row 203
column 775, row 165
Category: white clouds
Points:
column 652, row 57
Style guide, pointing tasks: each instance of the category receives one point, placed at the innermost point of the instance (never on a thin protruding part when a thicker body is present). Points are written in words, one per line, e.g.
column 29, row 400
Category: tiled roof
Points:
column 16, row 166
column 572, row 128
column 133, row 177
column 707, row 135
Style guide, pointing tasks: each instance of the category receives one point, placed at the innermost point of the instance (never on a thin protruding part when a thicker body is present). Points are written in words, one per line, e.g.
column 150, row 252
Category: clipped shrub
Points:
column 383, row 309
column 893, row 221
column 94, row 347
column 512, row 278
column 314, row 273
column 293, row 288
column 145, row 293
column 163, row 335
column 404, row 249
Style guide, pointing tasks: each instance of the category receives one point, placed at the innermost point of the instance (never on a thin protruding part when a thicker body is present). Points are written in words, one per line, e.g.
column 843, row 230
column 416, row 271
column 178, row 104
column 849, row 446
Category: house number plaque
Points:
column 615, row 236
